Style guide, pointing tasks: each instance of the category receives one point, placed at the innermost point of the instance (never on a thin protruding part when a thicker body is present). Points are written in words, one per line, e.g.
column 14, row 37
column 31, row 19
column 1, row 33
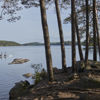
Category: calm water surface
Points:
column 10, row 74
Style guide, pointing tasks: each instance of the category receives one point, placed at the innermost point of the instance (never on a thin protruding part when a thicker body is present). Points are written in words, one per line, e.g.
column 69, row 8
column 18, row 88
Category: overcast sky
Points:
column 29, row 29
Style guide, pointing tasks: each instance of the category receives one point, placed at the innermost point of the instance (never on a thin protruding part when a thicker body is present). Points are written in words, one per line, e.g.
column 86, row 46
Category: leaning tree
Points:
column 61, row 36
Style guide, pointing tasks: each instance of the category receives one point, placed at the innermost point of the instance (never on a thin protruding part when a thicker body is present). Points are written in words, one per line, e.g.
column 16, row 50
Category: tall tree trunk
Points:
column 61, row 35
column 46, row 40
column 87, row 32
column 94, row 31
column 98, row 36
column 73, row 36
column 78, row 39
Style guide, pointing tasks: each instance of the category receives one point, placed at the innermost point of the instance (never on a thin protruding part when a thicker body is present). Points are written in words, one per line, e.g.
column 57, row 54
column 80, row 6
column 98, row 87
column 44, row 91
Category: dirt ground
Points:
column 67, row 86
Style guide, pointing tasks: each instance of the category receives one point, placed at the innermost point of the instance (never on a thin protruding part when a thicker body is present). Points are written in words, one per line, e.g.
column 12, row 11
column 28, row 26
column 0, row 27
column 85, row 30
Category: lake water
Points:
column 10, row 74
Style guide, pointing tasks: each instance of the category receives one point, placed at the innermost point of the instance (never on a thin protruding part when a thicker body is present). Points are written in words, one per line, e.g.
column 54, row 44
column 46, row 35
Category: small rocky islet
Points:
column 19, row 61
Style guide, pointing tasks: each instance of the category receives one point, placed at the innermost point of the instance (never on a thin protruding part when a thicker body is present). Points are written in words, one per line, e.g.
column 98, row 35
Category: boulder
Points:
column 27, row 75
column 80, row 66
column 19, row 89
column 19, row 61
column 91, row 66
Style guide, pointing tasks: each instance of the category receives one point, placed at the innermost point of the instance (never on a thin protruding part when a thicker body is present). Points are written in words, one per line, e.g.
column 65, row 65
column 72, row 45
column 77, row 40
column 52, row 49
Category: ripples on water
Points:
column 10, row 74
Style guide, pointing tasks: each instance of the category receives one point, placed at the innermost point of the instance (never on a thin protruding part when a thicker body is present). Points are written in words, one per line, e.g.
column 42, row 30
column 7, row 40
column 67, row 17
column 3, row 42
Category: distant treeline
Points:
column 52, row 43
column 12, row 43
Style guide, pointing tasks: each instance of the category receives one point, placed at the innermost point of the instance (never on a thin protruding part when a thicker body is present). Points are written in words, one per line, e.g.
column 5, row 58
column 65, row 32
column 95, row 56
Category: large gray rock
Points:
column 91, row 66
column 19, row 89
column 19, row 61
column 80, row 66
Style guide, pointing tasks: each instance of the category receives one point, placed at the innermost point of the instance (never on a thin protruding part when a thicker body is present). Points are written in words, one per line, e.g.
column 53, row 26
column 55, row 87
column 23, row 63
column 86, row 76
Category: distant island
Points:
column 33, row 44
column 9, row 43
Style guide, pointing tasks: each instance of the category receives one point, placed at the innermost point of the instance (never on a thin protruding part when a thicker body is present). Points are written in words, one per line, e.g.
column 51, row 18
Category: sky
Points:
column 29, row 29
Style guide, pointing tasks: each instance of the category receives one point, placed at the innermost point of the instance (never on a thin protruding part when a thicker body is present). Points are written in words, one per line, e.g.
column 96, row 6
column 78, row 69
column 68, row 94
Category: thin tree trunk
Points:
column 73, row 36
column 94, row 31
column 87, row 33
column 98, row 36
column 61, row 35
column 78, row 39
column 46, row 40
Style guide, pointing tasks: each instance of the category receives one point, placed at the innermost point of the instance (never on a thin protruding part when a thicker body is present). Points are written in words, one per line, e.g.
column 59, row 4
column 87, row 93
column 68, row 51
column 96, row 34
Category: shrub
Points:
column 40, row 73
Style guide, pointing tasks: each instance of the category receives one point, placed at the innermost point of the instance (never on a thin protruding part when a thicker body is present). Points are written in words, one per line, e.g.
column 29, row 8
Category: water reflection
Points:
column 3, row 55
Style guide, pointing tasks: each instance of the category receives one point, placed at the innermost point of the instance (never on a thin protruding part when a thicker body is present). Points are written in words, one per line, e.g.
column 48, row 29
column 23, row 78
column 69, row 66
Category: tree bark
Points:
column 78, row 39
column 46, row 40
column 87, row 32
column 61, row 35
column 73, row 36
column 98, row 36
column 94, row 31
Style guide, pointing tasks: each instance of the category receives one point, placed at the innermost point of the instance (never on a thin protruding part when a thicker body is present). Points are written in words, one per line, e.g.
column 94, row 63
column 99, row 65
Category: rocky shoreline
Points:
column 67, row 86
